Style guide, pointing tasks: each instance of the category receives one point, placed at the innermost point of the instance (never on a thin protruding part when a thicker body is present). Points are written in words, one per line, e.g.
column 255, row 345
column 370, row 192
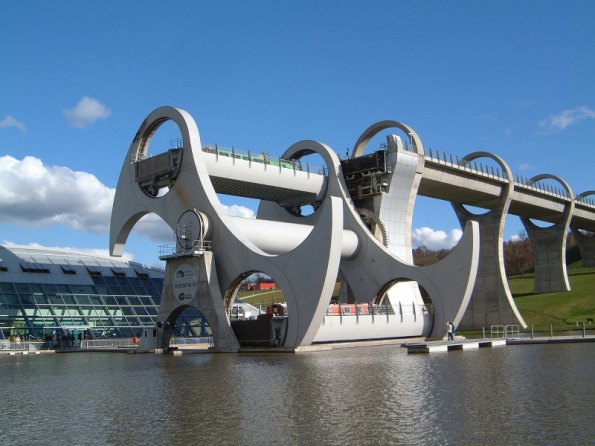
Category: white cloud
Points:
column 32, row 193
column 526, row 166
column 435, row 240
column 567, row 118
column 86, row 112
column 239, row 211
column 9, row 121
column 154, row 228
column 104, row 253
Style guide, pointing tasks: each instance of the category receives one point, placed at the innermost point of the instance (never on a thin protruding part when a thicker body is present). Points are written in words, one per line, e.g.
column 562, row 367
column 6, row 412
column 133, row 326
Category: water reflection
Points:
column 375, row 395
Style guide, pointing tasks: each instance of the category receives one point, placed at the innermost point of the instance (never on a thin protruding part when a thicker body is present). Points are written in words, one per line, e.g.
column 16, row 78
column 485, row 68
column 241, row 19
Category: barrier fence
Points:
column 88, row 344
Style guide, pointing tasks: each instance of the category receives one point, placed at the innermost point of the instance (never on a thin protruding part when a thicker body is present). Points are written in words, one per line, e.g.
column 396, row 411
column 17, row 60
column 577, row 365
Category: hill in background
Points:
column 562, row 310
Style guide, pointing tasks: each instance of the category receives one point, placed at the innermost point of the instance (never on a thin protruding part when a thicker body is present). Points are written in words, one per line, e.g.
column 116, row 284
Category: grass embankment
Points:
column 266, row 297
column 261, row 299
column 562, row 310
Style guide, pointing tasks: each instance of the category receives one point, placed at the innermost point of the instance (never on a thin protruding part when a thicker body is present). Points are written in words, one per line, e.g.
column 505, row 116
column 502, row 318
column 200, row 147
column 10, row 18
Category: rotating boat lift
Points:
column 360, row 231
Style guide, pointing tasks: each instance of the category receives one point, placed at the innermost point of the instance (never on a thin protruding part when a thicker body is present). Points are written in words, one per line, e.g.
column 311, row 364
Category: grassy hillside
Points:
column 563, row 310
column 265, row 298
column 262, row 298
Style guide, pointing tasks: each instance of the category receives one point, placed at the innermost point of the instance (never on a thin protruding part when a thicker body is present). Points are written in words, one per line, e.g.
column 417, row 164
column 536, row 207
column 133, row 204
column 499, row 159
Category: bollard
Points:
column 531, row 331
column 583, row 329
column 551, row 330
column 483, row 329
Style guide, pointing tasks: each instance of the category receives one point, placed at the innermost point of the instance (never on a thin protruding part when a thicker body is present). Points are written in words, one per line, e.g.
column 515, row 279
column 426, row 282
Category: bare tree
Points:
column 518, row 254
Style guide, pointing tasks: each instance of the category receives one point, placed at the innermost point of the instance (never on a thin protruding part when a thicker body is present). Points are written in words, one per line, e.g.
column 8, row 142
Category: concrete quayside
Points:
column 472, row 344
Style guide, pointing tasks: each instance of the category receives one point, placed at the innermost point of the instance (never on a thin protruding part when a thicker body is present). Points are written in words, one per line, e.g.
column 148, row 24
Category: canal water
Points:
column 515, row 395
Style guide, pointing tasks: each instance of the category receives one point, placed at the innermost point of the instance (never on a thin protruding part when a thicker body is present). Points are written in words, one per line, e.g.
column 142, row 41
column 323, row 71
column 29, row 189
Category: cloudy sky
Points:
column 512, row 78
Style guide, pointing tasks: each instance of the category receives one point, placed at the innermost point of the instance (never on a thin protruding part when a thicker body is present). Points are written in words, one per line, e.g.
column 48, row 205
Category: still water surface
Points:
column 515, row 395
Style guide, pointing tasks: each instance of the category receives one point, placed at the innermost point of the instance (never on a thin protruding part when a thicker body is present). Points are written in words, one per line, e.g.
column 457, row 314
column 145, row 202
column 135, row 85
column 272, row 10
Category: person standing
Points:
column 450, row 331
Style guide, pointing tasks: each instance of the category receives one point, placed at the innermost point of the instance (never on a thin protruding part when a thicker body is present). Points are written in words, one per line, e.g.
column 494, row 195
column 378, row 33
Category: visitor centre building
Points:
column 45, row 293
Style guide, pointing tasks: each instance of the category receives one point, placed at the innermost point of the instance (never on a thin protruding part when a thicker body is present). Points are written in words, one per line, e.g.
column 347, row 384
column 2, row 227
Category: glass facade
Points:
column 48, row 293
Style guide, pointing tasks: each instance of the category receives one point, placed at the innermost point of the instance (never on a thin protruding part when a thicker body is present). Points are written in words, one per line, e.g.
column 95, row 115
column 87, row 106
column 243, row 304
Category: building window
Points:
column 30, row 267
column 93, row 272
column 141, row 275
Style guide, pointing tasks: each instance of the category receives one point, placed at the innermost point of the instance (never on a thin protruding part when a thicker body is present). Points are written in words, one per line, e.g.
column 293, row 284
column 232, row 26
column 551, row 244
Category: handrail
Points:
column 485, row 171
column 107, row 343
column 174, row 248
column 24, row 345
column 497, row 332
column 511, row 332
column 196, row 340
column 262, row 158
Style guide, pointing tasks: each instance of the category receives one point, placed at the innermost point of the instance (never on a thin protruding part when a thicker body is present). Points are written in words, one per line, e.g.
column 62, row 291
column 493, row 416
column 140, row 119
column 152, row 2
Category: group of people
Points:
column 64, row 339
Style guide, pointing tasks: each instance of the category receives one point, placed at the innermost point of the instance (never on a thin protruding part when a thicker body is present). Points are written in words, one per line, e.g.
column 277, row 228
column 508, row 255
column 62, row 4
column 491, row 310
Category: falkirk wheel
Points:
column 359, row 234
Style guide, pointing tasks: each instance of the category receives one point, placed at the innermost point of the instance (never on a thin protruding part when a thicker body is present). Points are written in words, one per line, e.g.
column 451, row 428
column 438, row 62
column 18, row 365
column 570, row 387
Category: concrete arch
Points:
column 130, row 203
column 192, row 190
column 482, row 154
column 568, row 208
column 374, row 129
column 235, row 286
column 272, row 211
column 166, row 323
column 505, row 198
column 585, row 194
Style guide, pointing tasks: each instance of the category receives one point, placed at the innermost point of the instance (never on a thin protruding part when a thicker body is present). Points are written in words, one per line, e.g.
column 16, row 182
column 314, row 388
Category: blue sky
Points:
column 78, row 78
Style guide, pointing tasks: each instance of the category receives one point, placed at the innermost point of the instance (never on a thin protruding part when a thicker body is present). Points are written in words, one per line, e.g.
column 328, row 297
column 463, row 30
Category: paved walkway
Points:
column 445, row 346
column 471, row 344
column 415, row 345
column 551, row 340
column 26, row 352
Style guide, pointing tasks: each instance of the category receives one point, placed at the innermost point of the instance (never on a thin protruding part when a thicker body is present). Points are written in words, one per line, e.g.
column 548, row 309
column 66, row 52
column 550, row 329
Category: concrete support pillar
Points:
column 586, row 246
column 586, row 242
column 191, row 281
column 549, row 254
column 491, row 302
column 549, row 245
